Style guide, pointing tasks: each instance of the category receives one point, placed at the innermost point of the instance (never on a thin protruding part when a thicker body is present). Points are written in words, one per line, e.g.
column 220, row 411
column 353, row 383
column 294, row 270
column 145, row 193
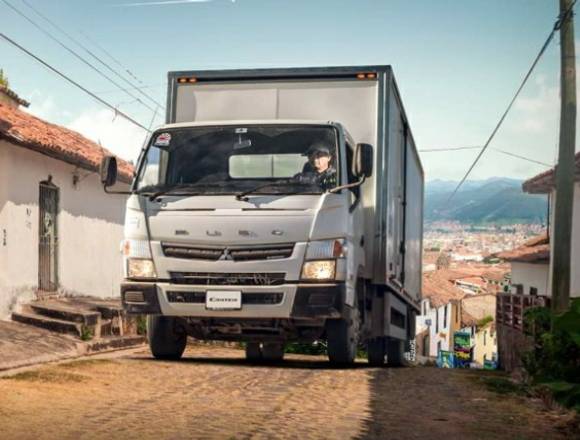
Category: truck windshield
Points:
column 230, row 159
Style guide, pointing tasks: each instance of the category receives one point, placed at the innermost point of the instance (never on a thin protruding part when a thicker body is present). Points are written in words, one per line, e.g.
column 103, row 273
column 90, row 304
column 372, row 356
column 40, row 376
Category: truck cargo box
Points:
column 366, row 101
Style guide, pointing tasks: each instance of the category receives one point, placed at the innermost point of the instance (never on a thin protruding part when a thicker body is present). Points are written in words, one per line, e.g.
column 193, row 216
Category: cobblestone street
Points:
column 214, row 393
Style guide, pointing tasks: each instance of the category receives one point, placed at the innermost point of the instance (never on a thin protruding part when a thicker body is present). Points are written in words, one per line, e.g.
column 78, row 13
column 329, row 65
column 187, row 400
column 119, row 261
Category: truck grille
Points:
column 247, row 298
column 228, row 279
column 234, row 253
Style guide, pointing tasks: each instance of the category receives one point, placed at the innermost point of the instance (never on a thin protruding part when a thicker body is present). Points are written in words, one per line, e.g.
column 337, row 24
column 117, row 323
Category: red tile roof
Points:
column 536, row 250
column 13, row 96
column 25, row 130
column 439, row 290
column 544, row 183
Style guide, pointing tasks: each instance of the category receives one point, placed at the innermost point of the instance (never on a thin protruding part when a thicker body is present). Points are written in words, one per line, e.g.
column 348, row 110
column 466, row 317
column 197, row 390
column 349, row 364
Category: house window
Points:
column 436, row 320
column 445, row 316
column 457, row 313
column 519, row 289
column 438, row 347
column 534, row 291
column 484, row 337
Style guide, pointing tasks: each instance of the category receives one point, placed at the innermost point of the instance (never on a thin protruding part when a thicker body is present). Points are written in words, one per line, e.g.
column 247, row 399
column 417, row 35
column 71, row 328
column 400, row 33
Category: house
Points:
column 59, row 232
column 440, row 315
column 478, row 312
column 544, row 183
column 530, row 273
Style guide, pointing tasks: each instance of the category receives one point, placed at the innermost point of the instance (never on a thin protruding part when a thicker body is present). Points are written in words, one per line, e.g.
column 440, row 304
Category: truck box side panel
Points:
column 414, row 223
column 389, row 198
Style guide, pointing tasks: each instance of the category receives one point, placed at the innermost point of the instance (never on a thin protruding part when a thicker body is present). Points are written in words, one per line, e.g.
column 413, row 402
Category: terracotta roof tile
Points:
column 439, row 290
column 543, row 183
column 55, row 141
column 536, row 250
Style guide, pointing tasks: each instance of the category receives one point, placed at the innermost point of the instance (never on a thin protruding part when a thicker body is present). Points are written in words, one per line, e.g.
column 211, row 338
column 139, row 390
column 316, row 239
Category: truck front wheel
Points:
column 166, row 339
column 343, row 336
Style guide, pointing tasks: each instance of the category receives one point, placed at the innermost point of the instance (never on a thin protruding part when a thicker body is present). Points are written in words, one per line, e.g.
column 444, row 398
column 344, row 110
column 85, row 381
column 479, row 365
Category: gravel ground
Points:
column 214, row 393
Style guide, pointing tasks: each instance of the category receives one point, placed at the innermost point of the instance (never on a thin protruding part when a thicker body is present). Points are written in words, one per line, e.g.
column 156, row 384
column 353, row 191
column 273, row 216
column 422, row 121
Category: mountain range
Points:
column 496, row 200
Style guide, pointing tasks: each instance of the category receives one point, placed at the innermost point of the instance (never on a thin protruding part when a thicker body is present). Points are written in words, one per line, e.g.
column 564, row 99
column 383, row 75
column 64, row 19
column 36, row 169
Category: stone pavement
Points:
column 23, row 345
column 214, row 393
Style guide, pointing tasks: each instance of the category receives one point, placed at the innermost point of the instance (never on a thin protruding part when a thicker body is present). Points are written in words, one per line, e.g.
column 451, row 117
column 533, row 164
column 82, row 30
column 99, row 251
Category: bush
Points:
column 554, row 362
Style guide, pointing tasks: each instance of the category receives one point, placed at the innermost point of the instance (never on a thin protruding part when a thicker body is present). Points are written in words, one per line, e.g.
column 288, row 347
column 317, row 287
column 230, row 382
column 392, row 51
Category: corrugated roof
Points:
column 25, row 130
column 544, row 183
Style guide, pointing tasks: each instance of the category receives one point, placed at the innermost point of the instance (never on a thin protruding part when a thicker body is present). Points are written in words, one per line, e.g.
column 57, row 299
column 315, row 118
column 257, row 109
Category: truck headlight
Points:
column 140, row 268
column 138, row 259
column 319, row 270
column 318, row 250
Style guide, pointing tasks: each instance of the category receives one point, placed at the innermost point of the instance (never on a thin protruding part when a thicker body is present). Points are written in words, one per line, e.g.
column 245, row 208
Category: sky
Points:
column 457, row 65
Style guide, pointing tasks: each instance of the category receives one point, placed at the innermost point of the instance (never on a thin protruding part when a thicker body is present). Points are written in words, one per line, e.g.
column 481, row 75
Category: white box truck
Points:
column 277, row 205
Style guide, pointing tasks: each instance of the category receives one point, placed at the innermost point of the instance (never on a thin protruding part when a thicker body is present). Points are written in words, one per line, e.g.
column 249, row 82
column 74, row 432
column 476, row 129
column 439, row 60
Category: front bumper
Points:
column 299, row 301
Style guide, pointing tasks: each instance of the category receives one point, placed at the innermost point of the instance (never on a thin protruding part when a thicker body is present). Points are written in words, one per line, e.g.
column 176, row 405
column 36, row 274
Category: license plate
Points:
column 223, row 300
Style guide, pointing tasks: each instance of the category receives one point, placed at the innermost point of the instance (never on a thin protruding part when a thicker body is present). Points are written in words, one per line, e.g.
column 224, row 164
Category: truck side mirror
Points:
column 363, row 160
column 108, row 171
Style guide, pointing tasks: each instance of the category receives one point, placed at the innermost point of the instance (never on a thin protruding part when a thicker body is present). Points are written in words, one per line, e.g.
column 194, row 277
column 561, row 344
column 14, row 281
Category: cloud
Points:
column 44, row 106
column 114, row 133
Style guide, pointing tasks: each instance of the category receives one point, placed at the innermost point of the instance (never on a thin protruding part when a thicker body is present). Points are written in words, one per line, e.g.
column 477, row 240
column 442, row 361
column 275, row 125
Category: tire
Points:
column 343, row 336
column 166, row 341
column 272, row 351
column 395, row 352
column 253, row 352
column 376, row 351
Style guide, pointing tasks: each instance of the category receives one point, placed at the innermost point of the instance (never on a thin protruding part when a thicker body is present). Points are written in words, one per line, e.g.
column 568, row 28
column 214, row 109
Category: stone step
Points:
column 27, row 316
column 115, row 343
column 63, row 313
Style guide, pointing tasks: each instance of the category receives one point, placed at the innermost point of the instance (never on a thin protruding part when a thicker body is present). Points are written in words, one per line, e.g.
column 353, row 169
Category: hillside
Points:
column 495, row 200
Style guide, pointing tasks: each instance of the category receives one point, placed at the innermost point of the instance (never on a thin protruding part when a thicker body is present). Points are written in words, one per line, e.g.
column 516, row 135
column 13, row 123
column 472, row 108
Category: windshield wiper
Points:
column 154, row 195
column 243, row 195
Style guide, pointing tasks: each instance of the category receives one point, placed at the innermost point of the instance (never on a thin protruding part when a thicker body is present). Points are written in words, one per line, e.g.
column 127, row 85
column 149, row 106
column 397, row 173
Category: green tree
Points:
column 3, row 79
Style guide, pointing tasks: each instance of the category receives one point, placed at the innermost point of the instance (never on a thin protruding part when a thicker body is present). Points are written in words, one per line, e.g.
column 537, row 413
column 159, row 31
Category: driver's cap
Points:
column 317, row 148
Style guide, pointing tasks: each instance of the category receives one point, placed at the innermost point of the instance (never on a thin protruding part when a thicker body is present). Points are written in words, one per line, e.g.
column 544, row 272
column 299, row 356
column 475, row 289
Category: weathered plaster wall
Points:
column 480, row 306
column 90, row 228
column 531, row 275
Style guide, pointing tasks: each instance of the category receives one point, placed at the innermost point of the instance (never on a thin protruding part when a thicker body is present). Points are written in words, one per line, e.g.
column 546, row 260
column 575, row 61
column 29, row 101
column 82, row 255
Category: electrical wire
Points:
column 113, row 58
column 86, row 49
column 444, row 150
column 70, row 80
column 556, row 27
column 74, row 53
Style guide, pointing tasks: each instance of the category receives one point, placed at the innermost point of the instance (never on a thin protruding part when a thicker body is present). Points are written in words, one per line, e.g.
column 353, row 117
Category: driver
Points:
column 318, row 170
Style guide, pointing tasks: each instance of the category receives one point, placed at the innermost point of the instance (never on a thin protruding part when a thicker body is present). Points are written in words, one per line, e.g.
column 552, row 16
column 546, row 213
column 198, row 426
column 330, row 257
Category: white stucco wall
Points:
column 437, row 333
column 531, row 275
column 90, row 228
column 575, row 257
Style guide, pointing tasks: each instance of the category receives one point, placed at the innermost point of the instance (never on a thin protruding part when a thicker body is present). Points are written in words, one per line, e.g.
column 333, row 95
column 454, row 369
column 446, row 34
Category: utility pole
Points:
column 561, row 258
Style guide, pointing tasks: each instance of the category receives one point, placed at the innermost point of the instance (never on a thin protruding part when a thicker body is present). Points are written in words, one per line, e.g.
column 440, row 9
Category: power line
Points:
column 73, row 52
column 445, row 150
column 74, row 40
column 523, row 157
column 115, row 60
column 556, row 27
column 70, row 80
